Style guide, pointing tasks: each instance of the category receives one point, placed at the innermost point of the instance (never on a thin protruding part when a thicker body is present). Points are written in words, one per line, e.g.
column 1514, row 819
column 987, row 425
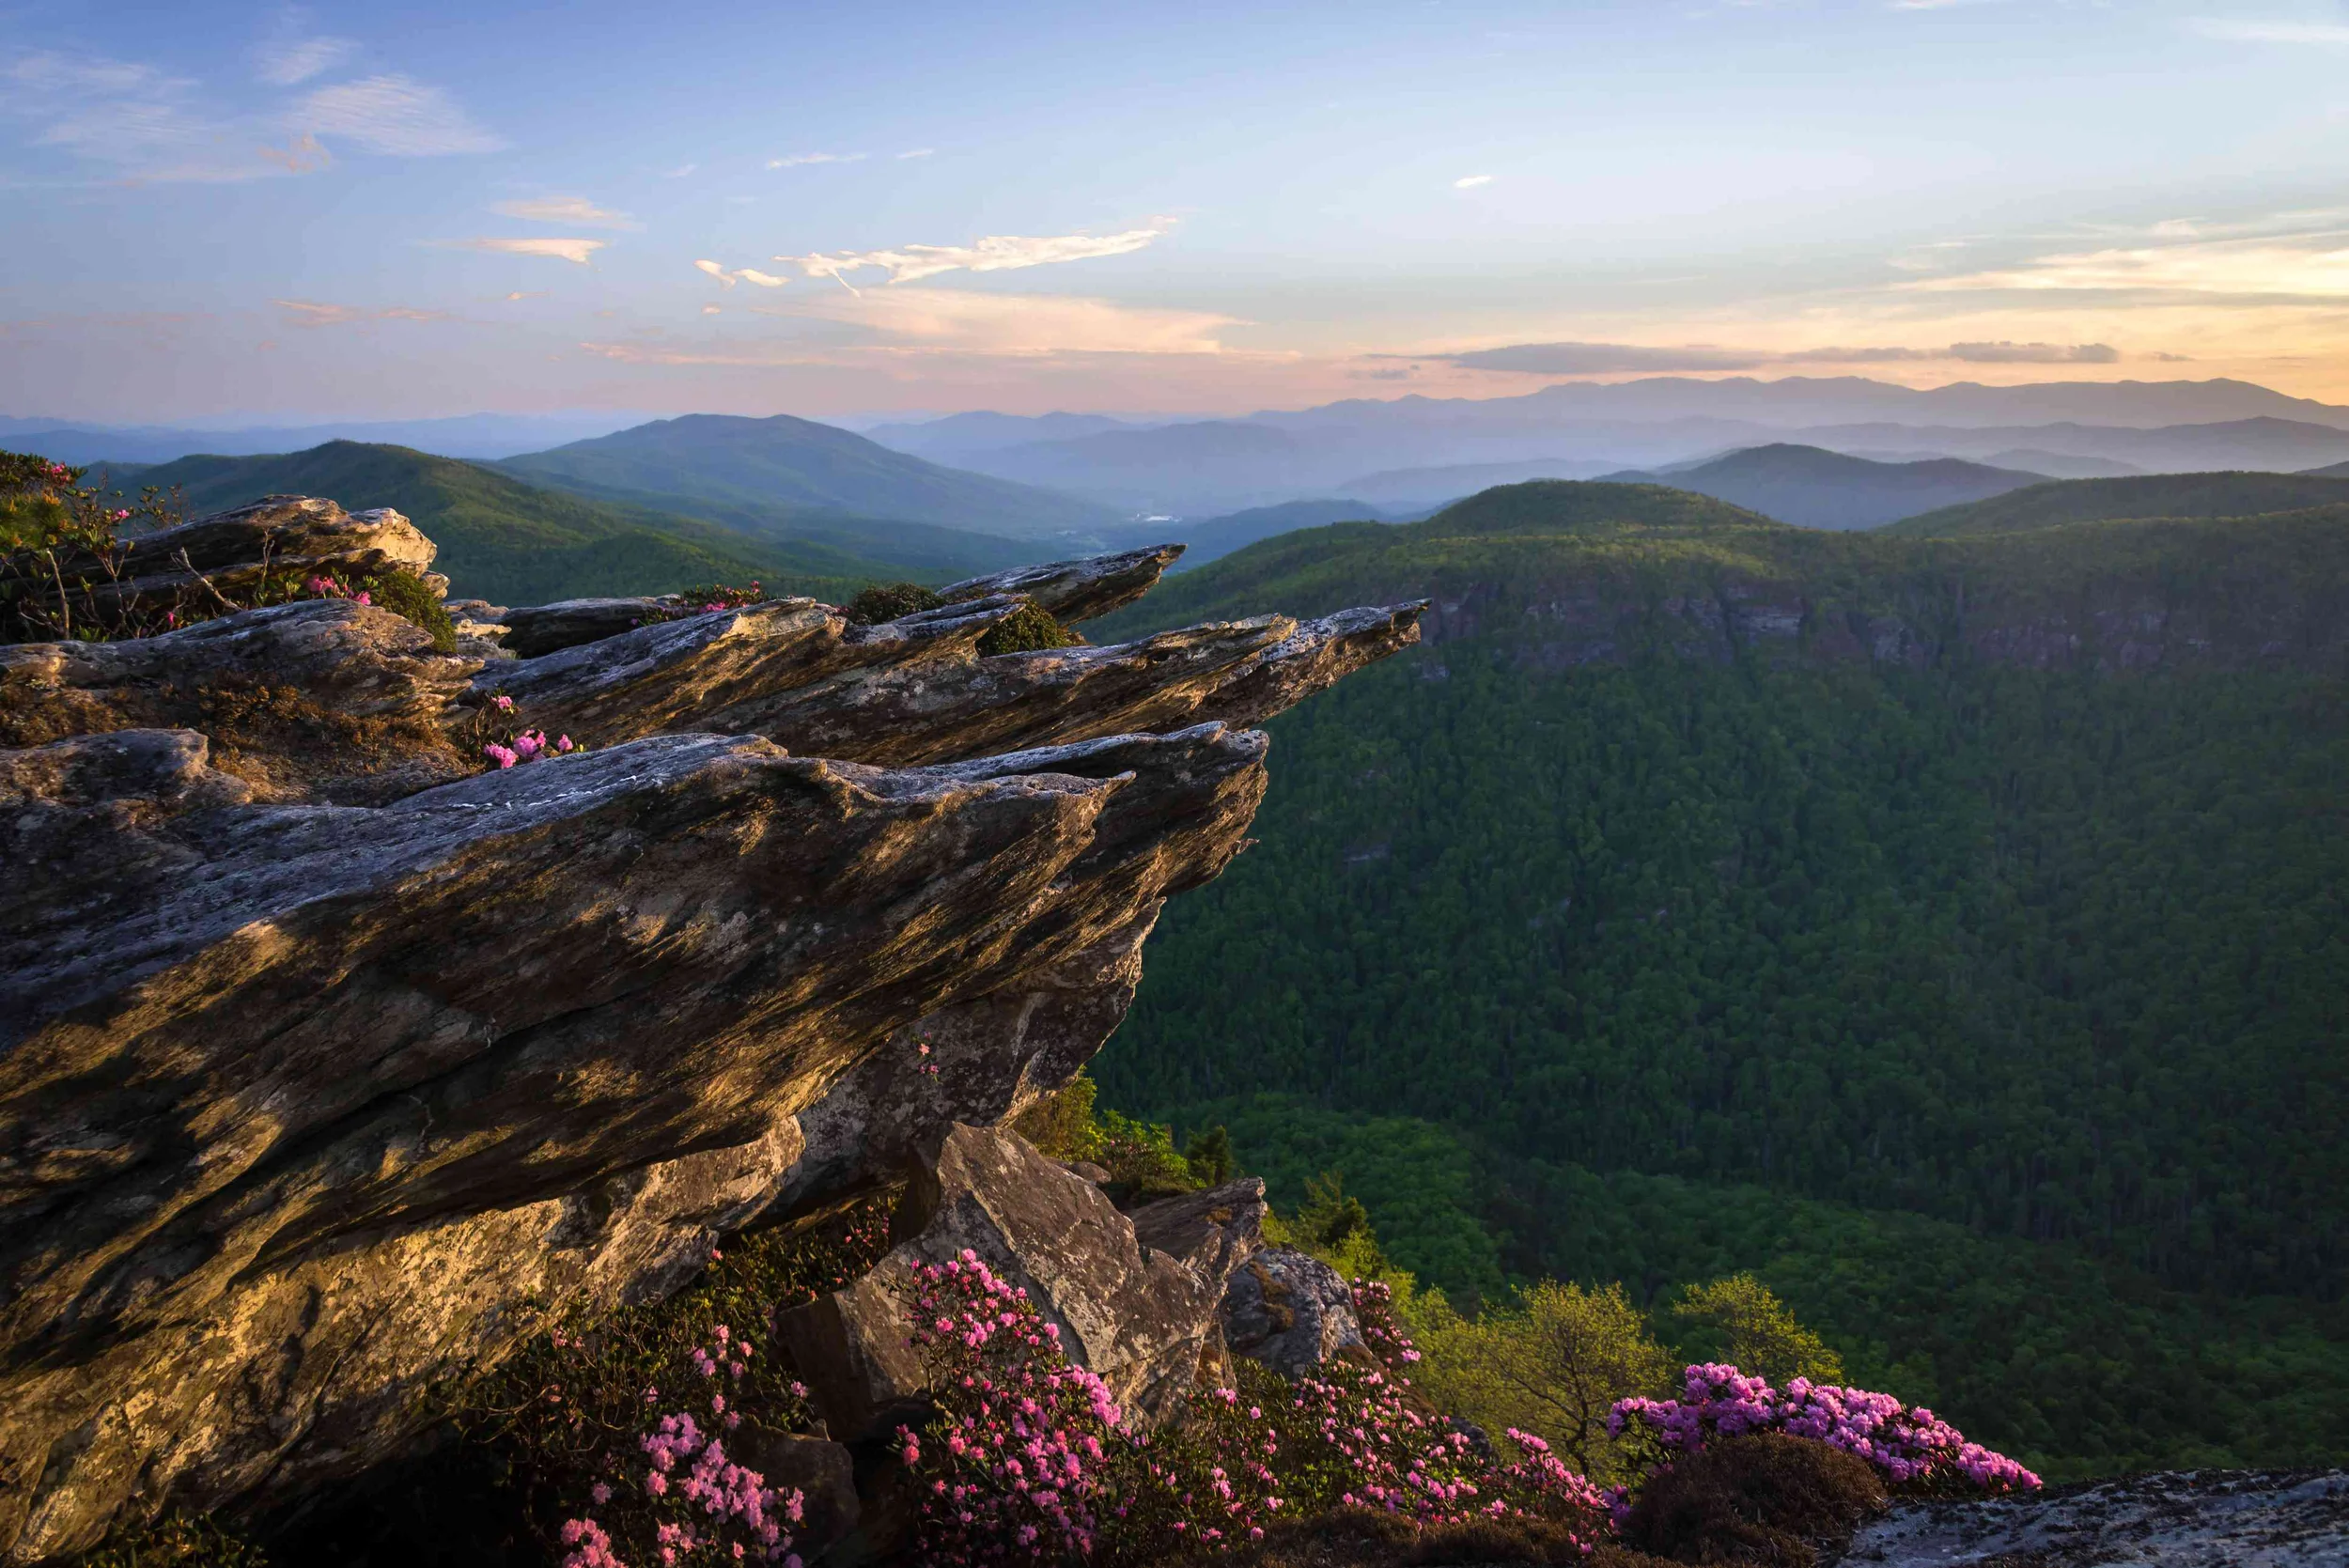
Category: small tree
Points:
column 1762, row 1335
column 1210, row 1156
column 1555, row 1364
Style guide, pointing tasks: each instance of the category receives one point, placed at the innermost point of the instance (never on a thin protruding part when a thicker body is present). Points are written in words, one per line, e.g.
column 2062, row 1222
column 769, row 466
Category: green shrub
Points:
column 888, row 601
column 1026, row 629
column 409, row 596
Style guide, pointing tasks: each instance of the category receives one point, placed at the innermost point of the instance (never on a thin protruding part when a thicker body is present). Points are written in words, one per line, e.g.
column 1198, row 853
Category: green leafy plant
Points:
column 1026, row 629
column 888, row 601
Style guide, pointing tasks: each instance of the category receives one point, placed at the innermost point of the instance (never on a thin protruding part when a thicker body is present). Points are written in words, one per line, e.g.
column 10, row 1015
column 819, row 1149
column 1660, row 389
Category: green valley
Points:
column 1951, row 930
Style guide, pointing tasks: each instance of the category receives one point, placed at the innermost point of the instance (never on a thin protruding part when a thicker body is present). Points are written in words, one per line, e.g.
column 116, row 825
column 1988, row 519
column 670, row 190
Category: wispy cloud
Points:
column 146, row 123
column 303, row 154
column 1469, row 182
column 680, row 171
column 575, row 250
column 918, row 152
column 309, row 313
column 946, row 323
column 800, row 160
column 741, row 275
column 1603, row 359
column 288, row 61
column 392, row 114
column 566, row 210
column 996, row 253
column 2235, row 31
column 2316, row 267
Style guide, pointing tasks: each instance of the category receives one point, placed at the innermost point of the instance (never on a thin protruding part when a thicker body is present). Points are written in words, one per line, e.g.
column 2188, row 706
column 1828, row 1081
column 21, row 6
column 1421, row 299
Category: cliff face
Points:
column 321, row 1057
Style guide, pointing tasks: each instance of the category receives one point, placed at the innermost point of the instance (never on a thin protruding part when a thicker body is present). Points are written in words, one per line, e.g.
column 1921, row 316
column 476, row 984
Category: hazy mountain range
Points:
column 1380, row 451
column 970, row 491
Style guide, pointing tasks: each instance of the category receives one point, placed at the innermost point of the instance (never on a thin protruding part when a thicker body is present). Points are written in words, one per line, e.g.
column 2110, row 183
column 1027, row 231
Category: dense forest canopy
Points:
column 1967, row 953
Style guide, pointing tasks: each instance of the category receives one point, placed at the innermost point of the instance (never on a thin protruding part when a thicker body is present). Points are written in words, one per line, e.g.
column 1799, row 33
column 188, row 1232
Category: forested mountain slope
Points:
column 1817, row 489
column 1981, row 894
column 515, row 543
column 2152, row 495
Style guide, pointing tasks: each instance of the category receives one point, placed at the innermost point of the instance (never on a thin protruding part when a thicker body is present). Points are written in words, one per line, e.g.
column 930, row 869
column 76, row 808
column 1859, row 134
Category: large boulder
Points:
column 1289, row 1311
column 204, row 566
column 1139, row 1318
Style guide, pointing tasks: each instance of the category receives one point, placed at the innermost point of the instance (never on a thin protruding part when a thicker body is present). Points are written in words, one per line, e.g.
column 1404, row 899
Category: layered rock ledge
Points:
column 318, row 1063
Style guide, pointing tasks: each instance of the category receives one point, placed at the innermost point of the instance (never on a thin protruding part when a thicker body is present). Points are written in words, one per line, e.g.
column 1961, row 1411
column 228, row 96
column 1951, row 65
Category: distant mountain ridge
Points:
column 514, row 543
column 2158, row 495
column 472, row 435
column 1813, row 487
column 783, row 462
column 1576, row 430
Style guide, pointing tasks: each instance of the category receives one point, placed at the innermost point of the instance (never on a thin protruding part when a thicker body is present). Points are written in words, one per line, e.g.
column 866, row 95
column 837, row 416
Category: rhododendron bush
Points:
column 1910, row 1445
column 620, row 1435
column 1028, row 1458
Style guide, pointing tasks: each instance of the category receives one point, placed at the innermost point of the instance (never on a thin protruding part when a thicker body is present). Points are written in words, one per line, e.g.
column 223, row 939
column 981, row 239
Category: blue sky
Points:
column 345, row 211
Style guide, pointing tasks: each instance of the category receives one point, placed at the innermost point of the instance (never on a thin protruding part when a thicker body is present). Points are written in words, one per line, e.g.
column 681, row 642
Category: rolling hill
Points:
column 2338, row 471
column 796, row 465
column 2165, row 495
column 1813, row 487
column 514, row 543
column 1948, row 929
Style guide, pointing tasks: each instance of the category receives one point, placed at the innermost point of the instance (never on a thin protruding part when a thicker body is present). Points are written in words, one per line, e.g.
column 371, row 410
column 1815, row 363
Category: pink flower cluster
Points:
column 1022, row 1440
column 1401, row 1457
column 321, row 586
column 1031, row 1460
column 529, row 746
column 1907, row 1444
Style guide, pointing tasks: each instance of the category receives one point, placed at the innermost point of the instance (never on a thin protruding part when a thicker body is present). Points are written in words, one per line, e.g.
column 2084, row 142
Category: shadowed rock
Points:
column 1138, row 1318
column 320, row 700
column 1289, row 1311
column 1077, row 590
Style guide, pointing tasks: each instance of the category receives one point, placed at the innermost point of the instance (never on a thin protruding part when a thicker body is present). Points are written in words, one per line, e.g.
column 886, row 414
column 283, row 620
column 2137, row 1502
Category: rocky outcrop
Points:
column 1077, row 590
column 915, row 689
column 2241, row 1519
column 324, row 700
column 1070, row 590
column 306, row 1091
column 1140, row 1318
column 216, row 557
column 1289, row 1311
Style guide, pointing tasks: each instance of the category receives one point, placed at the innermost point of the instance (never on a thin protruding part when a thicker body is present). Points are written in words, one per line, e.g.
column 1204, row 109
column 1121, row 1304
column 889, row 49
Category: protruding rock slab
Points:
column 535, row 630
column 914, row 691
column 1289, row 1311
column 289, row 1133
column 1077, row 590
column 1139, row 1318
column 295, row 535
column 320, row 700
